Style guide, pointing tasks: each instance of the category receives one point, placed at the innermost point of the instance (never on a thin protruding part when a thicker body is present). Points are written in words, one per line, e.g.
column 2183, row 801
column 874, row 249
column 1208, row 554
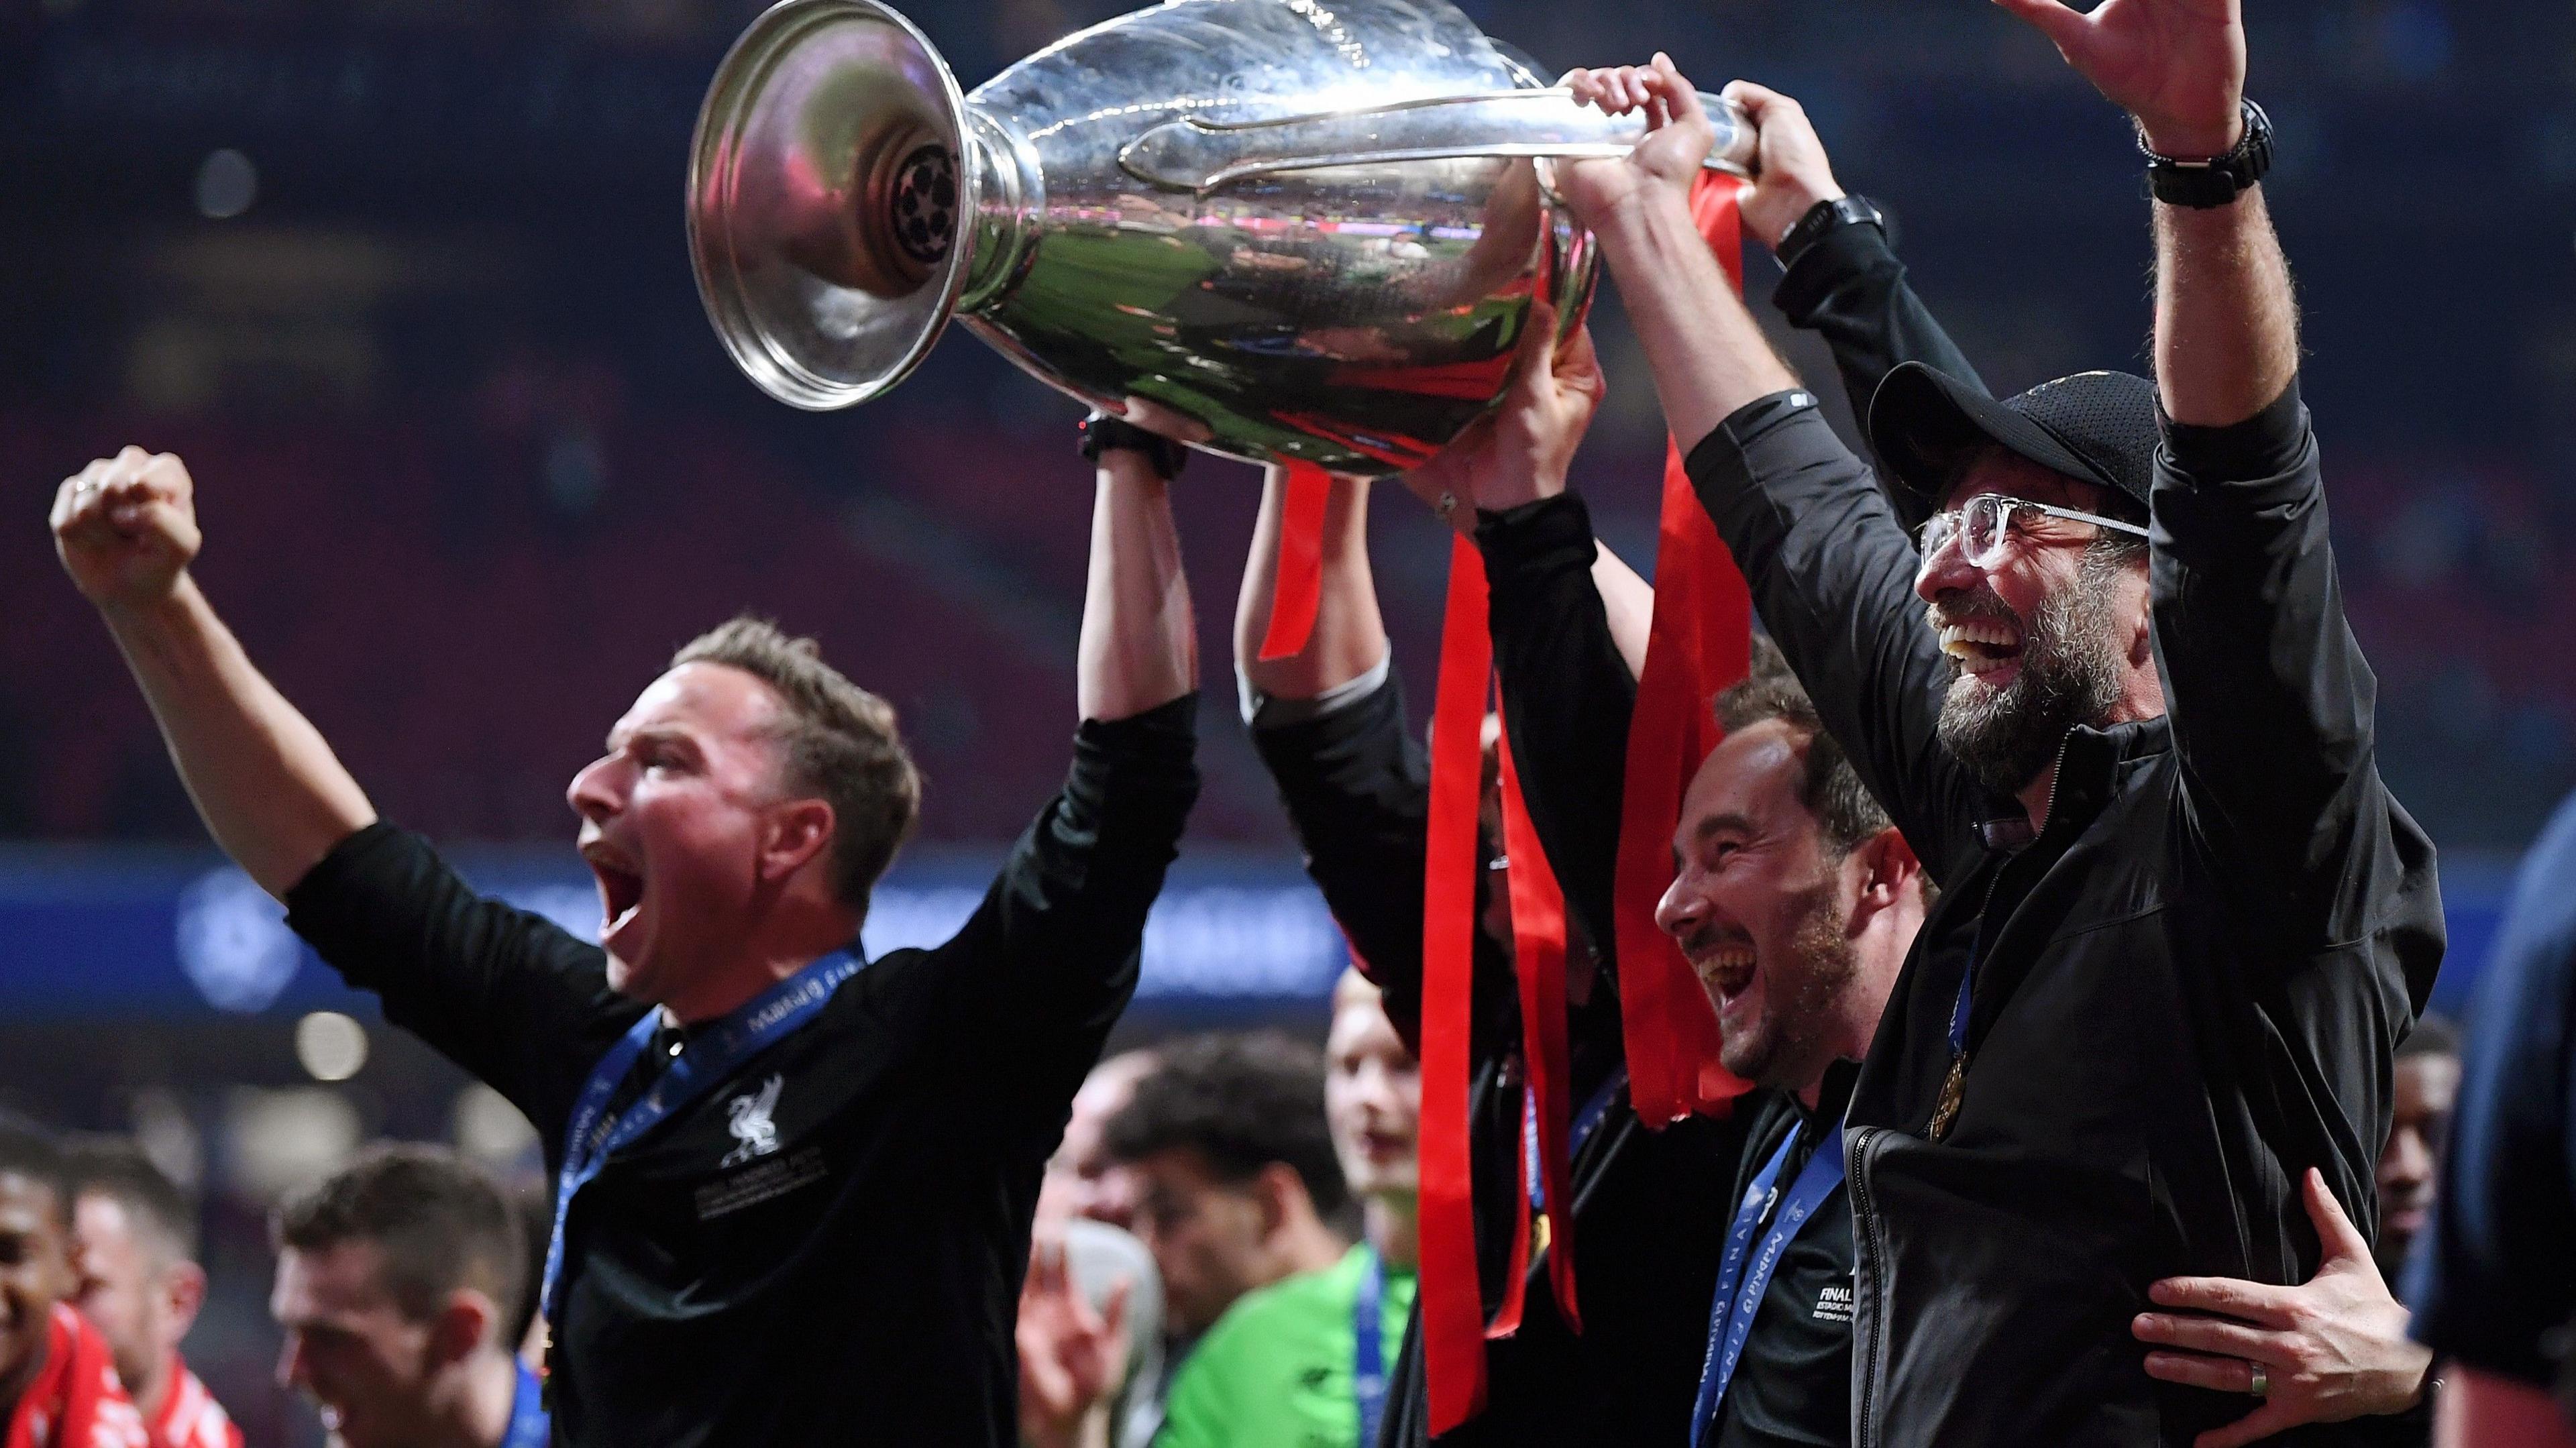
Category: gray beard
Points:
column 2070, row 675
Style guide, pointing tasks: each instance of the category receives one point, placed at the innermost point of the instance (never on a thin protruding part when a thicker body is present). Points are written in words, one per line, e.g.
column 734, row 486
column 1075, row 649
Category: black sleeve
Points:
column 506, row 994
column 1039, row 973
column 1832, row 575
column 2270, row 697
column 1357, row 785
column 1567, row 696
column 1850, row 289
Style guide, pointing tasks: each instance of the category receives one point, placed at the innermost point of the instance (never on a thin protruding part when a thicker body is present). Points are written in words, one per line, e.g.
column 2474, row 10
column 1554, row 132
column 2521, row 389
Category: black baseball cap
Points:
column 2095, row 427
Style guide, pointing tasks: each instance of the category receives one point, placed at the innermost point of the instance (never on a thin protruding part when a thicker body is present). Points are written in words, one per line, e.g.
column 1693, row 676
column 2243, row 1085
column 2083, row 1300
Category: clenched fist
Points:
column 126, row 528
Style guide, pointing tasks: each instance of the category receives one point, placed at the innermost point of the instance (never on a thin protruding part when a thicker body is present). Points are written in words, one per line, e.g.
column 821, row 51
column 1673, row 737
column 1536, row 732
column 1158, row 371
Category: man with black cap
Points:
column 2183, row 923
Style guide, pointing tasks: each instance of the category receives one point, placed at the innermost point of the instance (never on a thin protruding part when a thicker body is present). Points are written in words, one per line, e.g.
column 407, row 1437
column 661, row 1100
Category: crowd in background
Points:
column 1202, row 1234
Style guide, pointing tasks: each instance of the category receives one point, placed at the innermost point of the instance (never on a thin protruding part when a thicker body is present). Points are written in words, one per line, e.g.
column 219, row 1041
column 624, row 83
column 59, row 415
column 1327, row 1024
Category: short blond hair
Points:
column 839, row 741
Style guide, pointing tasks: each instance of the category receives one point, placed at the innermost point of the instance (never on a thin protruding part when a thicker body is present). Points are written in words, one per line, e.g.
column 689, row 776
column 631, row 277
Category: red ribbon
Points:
column 1538, row 953
column 1454, row 1329
column 1700, row 641
column 1300, row 585
column 1453, row 1312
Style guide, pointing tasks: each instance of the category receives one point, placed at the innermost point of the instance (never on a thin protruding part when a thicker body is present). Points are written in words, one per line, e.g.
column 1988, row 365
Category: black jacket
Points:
column 854, row 1269
column 2189, row 985
column 1651, row 1208
column 1569, row 698
column 1356, row 786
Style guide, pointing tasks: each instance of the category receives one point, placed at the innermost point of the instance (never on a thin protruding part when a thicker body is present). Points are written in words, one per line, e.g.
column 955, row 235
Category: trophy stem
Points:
column 1009, row 190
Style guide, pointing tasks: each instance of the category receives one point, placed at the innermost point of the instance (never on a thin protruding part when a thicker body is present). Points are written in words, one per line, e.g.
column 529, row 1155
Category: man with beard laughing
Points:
column 794, row 1185
column 2183, row 923
column 1795, row 901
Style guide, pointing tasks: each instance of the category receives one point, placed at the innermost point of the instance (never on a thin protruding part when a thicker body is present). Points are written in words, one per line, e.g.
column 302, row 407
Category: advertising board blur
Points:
column 98, row 932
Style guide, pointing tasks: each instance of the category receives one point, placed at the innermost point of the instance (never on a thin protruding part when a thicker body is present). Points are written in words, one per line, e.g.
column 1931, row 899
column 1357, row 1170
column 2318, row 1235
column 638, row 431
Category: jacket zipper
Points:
column 1868, row 1234
column 1867, row 1242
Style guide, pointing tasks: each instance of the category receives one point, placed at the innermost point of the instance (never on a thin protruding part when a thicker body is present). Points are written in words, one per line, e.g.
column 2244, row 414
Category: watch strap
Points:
column 1824, row 217
column 2219, row 180
column 1102, row 432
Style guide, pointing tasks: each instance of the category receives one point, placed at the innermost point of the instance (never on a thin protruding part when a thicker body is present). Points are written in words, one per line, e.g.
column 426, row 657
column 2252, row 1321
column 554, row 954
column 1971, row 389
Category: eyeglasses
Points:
column 1984, row 524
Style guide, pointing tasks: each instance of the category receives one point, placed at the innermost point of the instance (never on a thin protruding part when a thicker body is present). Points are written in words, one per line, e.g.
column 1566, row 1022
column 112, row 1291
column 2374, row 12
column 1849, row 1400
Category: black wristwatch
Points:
column 1823, row 217
column 2219, row 180
column 1101, row 432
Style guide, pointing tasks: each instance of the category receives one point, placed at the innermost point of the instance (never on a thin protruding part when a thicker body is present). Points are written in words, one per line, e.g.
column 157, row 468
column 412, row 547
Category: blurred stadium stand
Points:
column 405, row 282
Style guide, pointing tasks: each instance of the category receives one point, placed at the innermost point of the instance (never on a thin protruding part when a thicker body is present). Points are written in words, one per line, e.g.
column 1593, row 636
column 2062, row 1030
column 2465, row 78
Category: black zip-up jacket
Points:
column 1357, row 789
column 2187, row 987
column 1650, row 1208
column 1568, row 698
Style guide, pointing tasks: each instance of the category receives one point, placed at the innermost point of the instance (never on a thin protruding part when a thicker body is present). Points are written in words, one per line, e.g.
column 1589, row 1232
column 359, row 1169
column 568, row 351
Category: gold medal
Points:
column 1954, row 1087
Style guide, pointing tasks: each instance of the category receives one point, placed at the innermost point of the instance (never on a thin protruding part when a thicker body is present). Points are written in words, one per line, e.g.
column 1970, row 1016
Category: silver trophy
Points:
column 1319, row 227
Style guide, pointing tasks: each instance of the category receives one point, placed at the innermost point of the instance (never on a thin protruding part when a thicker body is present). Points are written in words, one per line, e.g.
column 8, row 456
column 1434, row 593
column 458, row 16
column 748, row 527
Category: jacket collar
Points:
column 2088, row 774
column 1833, row 1097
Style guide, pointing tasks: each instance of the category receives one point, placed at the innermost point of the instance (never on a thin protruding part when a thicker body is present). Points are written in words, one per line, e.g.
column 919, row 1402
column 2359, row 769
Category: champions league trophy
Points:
column 1318, row 227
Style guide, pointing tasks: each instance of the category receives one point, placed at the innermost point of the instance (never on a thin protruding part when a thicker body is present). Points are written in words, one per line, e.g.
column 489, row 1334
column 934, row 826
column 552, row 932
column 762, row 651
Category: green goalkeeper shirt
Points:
column 1275, row 1370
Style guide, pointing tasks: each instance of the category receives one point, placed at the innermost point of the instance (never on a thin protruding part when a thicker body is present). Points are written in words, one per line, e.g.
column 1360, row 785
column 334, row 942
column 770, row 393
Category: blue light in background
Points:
column 106, row 932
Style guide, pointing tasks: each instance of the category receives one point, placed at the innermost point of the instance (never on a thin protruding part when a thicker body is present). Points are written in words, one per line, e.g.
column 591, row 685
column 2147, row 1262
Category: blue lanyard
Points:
column 1959, row 1011
column 1368, row 1352
column 714, row 1055
column 1739, row 1287
column 529, row 1427
column 1588, row 1120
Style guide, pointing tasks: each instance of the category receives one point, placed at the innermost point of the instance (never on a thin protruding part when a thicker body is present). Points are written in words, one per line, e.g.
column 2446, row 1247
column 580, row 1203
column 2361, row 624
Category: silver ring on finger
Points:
column 2262, row 1385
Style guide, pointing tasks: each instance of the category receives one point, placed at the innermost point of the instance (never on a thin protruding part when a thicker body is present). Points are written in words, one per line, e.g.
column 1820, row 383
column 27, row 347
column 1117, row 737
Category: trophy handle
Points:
column 1199, row 154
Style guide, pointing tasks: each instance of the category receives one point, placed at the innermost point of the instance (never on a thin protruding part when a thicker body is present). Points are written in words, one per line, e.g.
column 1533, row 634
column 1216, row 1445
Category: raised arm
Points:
column 1041, row 970
column 1708, row 355
column 506, row 994
column 1831, row 569
column 1139, row 644
column 1842, row 282
column 1328, row 722
column 2270, row 697
column 1349, row 638
column 2227, row 342
column 1558, row 604
column 269, row 789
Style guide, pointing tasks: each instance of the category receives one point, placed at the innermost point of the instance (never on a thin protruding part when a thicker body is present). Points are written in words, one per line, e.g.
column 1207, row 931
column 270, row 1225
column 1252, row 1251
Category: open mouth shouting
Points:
column 1987, row 646
column 621, row 893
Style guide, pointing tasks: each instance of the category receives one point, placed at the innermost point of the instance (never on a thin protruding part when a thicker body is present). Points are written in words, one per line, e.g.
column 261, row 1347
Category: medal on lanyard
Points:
column 713, row 1056
column 1744, row 1274
column 1954, row 1087
column 1368, row 1350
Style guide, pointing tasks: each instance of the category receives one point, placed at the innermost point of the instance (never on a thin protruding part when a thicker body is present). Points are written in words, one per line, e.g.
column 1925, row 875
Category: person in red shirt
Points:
column 140, row 1286
column 58, row 1384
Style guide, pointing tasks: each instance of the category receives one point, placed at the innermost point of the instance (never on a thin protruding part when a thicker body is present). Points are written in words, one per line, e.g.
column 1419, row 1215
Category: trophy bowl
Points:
column 1319, row 231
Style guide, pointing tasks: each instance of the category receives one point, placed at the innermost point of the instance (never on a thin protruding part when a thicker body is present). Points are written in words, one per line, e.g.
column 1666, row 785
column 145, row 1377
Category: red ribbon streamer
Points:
column 1538, row 953
column 1300, row 585
column 1453, row 1312
column 1700, row 641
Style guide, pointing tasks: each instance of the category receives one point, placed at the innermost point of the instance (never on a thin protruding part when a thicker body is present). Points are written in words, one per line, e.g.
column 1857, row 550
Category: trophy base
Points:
column 831, row 200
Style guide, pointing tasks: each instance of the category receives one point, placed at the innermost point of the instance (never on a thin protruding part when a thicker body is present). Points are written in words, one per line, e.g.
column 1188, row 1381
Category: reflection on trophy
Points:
column 1319, row 227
